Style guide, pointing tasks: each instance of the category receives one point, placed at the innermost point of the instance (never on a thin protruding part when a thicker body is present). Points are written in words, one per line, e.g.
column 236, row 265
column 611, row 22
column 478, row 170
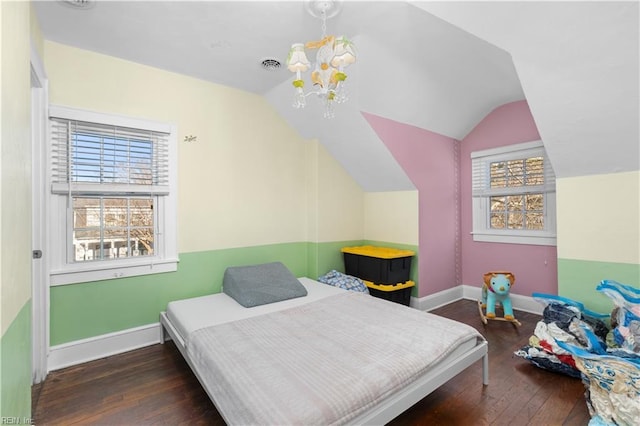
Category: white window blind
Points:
column 92, row 158
column 523, row 171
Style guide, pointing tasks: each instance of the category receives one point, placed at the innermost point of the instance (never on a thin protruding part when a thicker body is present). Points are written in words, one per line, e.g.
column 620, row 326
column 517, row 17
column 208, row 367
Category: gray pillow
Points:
column 255, row 285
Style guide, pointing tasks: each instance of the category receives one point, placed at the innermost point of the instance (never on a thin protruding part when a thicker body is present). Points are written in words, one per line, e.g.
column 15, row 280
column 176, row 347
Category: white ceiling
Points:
column 579, row 67
column 440, row 66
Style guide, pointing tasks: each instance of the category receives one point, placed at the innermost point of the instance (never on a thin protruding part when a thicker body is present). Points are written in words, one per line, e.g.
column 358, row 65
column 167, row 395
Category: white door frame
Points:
column 39, row 267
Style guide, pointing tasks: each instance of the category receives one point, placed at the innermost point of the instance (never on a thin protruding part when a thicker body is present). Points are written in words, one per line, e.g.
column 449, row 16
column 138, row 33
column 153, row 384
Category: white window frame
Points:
column 482, row 230
column 165, row 258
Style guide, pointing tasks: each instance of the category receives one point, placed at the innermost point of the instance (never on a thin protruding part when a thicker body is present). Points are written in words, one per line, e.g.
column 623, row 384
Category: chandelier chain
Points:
column 324, row 24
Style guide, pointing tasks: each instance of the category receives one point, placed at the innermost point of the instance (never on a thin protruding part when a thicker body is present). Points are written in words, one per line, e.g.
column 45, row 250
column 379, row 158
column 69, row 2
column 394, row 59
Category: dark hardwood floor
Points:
column 154, row 385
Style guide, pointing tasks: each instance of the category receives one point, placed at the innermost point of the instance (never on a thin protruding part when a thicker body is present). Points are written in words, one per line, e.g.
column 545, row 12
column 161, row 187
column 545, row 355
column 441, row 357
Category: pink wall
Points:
column 448, row 254
column 429, row 160
column 535, row 267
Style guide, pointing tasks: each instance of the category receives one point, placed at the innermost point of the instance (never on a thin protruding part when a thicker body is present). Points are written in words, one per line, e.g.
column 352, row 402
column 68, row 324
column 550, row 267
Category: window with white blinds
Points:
column 113, row 200
column 97, row 158
column 513, row 191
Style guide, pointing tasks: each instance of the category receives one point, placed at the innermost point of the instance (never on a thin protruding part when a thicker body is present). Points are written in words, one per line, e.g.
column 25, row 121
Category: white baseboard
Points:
column 438, row 299
column 433, row 301
column 527, row 304
column 79, row 351
column 518, row 301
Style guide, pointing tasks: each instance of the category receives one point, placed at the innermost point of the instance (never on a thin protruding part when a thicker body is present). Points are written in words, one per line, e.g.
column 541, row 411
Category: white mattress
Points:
column 192, row 314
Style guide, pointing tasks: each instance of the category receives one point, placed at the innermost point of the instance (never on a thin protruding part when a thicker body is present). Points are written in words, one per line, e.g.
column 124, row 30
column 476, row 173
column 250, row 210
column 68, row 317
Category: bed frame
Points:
column 389, row 408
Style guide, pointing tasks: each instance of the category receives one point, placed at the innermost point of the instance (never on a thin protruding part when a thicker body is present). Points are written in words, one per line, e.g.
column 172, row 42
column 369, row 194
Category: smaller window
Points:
column 513, row 195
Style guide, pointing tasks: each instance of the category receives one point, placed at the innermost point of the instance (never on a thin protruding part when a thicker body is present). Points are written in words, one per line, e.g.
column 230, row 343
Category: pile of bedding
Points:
column 563, row 320
column 574, row 341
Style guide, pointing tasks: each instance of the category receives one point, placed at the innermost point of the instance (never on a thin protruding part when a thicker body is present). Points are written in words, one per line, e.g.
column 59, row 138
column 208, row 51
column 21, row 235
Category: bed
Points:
column 329, row 357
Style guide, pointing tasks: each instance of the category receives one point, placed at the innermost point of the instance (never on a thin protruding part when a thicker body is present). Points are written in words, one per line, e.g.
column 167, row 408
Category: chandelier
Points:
column 333, row 55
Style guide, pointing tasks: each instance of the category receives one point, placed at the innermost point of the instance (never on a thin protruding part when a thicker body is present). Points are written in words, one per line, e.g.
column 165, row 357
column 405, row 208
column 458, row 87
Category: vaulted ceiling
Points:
column 440, row 66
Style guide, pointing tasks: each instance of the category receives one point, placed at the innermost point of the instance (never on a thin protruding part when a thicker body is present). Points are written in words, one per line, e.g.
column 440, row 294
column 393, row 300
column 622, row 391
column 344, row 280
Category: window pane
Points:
column 535, row 221
column 498, row 209
column 141, row 165
column 535, row 171
column 497, row 221
column 141, row 212
column 108, row 158
column 142, row 241
column 112, row 228
column 115, row 212
column 86, row 212
column 515, row 220
column 514, row 203
column 535, row 212
column 498, row 173
column 85, row 244
column 141, row 226
column 115, row 243
column 498, row 204
column 515, row 173
column 534, row 202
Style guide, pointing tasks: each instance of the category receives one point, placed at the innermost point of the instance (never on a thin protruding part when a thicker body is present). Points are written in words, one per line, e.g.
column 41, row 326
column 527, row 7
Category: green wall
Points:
column 598, row 235
column 15, row 213
column 80, row 311
column 327, row 256
column 579, row 279
column 15, row 369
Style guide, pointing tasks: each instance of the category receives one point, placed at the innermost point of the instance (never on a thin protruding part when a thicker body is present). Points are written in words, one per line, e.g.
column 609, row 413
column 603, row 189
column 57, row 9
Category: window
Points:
column 513, row 192
column 112, row 196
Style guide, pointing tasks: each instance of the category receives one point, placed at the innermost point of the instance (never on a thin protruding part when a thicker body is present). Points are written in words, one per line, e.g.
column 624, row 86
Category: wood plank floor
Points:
column 154, row 385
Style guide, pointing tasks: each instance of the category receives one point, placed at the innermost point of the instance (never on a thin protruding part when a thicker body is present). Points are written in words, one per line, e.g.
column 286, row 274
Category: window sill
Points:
column 538, row 240
column 83, row 274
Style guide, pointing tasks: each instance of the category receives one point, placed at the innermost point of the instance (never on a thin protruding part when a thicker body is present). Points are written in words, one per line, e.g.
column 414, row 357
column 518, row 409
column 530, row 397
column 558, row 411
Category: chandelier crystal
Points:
column 333, row 55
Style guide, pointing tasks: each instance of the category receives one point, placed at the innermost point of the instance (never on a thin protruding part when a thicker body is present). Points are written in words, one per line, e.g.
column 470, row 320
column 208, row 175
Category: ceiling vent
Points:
column 78, row 4
column 271, row 64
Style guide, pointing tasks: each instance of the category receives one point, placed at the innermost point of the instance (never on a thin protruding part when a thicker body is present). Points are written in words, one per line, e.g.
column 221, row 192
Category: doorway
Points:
column 39, row 266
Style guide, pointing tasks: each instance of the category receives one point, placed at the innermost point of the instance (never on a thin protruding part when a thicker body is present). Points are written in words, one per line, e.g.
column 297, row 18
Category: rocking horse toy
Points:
column 495, row 290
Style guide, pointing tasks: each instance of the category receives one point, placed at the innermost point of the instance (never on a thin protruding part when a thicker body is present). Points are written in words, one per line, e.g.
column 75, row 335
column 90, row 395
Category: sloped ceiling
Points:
column 440, row 66
column 579, row 67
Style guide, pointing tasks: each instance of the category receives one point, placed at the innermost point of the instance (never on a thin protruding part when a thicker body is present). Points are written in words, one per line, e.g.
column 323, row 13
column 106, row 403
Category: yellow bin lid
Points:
column 389, row 287
column 379, row 252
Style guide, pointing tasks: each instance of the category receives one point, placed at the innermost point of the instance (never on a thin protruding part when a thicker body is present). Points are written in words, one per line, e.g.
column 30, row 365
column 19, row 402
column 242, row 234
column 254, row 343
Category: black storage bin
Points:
column 379, row 265
column 398, row 293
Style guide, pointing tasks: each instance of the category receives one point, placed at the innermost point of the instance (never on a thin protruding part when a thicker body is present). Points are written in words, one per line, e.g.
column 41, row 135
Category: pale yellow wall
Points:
column 15, row 161
column 391, row 217
column 599, row 217
column 242, row 183
column 37, row 41
column 338, row 208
